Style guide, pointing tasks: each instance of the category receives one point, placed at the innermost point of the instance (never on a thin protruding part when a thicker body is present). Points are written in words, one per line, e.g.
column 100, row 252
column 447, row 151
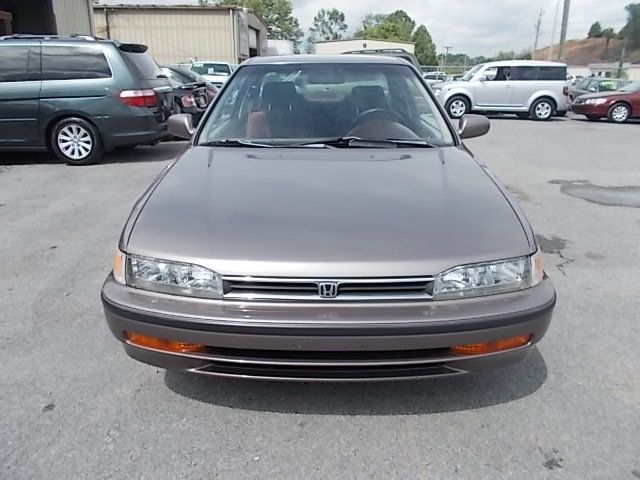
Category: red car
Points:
column 618, row 106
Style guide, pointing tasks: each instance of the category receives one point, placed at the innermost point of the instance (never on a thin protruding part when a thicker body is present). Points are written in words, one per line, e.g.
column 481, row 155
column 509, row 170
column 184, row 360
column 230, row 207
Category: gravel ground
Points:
column 74, row 406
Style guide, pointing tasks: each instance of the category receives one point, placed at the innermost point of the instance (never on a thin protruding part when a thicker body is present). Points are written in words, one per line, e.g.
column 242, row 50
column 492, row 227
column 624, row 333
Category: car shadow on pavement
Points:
column 437, row 395
column 162, row 152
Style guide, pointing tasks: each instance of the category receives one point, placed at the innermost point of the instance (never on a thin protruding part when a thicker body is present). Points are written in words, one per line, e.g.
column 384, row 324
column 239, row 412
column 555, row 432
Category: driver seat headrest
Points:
column 367, row 97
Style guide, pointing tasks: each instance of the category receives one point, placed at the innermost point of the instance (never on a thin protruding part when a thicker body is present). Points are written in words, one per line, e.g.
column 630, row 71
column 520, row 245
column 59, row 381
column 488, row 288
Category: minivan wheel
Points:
column 457, row 106
column 618, row 113
column 76, row 141
column 541, row 109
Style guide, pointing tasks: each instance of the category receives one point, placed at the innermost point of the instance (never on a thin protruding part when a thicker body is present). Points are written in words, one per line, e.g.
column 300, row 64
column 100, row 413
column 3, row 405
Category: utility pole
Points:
column 553, row 31
column 446, row 55
column 621, row 63
column 563, row 29
column 537, row 27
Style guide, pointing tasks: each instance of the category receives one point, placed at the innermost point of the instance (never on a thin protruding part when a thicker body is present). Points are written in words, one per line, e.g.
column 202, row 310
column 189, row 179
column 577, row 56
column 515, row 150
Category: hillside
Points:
column 589, row 50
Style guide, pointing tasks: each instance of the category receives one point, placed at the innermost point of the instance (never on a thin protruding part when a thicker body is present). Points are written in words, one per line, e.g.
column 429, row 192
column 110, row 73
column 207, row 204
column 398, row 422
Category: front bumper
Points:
column 324, row 341
column 588, row 109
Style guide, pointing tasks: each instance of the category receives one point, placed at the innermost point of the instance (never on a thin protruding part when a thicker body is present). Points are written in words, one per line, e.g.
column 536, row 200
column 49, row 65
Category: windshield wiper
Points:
column 235, row 143
column 359, row 142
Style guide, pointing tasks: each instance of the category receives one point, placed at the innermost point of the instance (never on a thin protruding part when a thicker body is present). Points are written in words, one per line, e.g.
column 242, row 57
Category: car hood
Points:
column 327, row 212
column 587, row 96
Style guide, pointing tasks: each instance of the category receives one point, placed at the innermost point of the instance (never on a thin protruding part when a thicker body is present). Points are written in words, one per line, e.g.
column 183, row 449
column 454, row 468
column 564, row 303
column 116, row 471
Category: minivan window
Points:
column 73, row 63
column 14, row 61
column 143, row 64
column 525, row 73
column 552, row 73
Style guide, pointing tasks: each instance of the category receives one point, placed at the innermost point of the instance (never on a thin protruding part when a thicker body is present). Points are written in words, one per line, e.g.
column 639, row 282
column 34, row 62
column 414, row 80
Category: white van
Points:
column 528, row 88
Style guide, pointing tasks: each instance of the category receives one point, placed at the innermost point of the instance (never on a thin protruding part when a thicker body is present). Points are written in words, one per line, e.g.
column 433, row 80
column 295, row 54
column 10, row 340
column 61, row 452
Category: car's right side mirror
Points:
column 181, row 125
column 472, row 126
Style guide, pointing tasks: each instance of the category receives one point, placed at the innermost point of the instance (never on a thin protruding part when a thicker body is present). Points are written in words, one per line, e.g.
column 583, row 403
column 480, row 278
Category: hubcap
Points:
column 543, row 110
column 457, row 108
column 620, row 113
column 75, row 142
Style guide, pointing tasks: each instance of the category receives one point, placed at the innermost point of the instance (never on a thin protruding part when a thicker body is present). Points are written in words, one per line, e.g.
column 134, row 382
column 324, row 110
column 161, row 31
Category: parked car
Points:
column 434, row 77
column 617, row 107
column 215, row 72
column 333, row 228
column 79, row 96
column 530, row 89
column 189, row 97
column 388, row 52
column 186, row 75
column 596, row 85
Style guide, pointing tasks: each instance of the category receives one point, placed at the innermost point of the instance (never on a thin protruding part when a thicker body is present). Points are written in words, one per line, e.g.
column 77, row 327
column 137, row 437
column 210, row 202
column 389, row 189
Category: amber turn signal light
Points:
column 140, row 340
column 491, row 347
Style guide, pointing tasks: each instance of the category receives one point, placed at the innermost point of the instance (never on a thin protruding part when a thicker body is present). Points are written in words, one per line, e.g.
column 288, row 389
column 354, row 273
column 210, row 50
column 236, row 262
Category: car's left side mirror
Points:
column 472, row 126
column 181, row 125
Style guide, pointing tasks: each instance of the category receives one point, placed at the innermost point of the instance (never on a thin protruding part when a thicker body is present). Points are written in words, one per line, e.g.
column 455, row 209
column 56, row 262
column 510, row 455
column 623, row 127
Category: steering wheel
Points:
column 378, row 112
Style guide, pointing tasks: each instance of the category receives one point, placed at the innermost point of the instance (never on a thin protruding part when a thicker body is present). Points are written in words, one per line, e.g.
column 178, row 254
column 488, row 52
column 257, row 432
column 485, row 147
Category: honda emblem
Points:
column 328, row 289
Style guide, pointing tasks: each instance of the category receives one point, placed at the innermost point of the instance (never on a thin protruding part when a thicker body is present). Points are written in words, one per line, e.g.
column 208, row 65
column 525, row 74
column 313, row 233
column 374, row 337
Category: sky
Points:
column 474, row 27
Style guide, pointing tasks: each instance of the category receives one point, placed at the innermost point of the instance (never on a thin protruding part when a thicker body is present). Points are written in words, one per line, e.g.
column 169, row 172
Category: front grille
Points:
column 343, row 289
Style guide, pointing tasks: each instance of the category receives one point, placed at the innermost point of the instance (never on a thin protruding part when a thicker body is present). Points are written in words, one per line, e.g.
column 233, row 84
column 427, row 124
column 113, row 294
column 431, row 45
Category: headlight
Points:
column 596, row 101
column 167, row 277
column 489, row 278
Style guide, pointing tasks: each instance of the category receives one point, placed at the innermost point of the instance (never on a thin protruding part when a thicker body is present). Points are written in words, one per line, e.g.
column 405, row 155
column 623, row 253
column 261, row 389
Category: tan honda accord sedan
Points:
column 327, row 223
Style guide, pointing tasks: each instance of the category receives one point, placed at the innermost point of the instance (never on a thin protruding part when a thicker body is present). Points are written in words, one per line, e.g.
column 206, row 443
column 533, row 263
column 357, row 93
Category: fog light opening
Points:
column 491, row 347
column 146, row 341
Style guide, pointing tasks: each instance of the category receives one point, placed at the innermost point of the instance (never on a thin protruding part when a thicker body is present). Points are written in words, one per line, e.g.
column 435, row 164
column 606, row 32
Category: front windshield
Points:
column 631, row 87
column 296, row 104
column 208, row 68
column 469, row 75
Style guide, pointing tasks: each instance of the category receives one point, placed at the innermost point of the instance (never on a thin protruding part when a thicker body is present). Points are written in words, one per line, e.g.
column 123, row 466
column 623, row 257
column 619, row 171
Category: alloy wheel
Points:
column 543, row 110
column 620, row 113
column 75, row 142
column 457, row 108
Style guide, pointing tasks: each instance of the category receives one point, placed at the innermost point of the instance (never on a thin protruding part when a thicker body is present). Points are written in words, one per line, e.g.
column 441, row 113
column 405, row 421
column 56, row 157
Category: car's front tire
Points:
column 542, row 109
column 76, row 141
column 619, row 113
column 457, row 106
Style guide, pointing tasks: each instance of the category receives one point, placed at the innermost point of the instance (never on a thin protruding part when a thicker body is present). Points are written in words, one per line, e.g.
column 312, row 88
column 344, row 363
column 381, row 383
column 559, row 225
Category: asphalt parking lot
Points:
column 74, row 406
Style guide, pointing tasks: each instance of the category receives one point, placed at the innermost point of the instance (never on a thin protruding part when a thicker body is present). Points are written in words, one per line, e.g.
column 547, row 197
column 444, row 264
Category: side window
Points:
column 14, row 61
column 73, row 63
column 607, row 86
column 553, row 73
column 490, row 73
column 592, row 85
column 525, row 73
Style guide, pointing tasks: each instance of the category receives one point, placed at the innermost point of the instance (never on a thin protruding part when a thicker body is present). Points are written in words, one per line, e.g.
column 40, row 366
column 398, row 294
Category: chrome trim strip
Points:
column 232, row 278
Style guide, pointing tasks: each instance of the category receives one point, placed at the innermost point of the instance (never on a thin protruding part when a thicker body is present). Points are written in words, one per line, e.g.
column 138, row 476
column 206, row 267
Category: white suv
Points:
column 527, row 88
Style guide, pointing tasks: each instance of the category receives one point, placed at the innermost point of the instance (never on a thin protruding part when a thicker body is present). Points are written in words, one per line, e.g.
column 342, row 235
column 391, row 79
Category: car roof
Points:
column 319, row 59
column 525, row 63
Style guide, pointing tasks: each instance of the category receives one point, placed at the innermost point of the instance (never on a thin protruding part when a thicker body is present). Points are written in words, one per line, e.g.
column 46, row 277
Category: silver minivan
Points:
column 528, row 88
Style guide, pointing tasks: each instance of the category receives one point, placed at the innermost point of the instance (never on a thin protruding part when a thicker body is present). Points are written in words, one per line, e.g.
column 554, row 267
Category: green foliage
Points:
column 399, row 26
column 595, row 31
column 631, row 30
column 393, row 26
column 328, row 25
column 425, row 48
column 609, row 33
column 277, row 15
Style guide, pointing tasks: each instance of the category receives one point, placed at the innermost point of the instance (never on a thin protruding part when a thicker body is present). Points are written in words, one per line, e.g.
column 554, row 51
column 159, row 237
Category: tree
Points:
column 631, row 30
column 327, row 25
column 425, row 49
column 393, row 26
column 277, row 15
column 595, row 31
column 400, row 26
